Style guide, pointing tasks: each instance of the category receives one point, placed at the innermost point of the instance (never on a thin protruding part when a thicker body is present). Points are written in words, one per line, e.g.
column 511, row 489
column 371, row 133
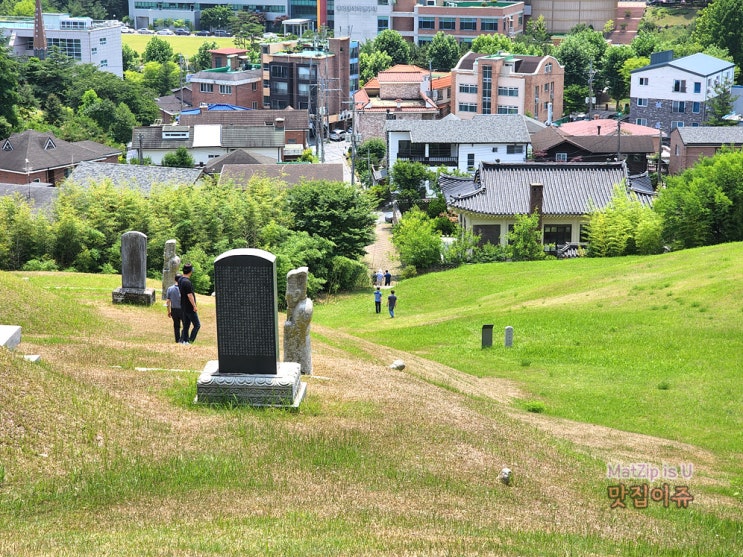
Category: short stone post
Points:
column 171, row 265
column 297, row 347
column 509, row 337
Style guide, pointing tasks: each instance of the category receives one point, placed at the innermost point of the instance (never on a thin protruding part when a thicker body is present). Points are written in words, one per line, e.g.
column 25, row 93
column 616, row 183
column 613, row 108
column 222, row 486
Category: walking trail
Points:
column 381, row 254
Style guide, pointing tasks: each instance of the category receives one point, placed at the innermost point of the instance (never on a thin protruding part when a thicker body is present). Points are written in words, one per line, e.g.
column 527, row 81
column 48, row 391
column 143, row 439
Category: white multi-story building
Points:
column 145, row 13
column 668, row 93
column 81, row 38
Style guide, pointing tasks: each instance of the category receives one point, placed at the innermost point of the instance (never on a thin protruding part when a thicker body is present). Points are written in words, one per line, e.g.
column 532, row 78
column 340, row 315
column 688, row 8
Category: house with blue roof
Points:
column 668, row 94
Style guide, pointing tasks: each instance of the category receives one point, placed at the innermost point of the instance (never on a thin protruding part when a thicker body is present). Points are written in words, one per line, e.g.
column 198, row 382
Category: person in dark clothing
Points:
column 188, row 306
column 387, row 278
column 392, row 303
column 378, row 300
column 173, row 301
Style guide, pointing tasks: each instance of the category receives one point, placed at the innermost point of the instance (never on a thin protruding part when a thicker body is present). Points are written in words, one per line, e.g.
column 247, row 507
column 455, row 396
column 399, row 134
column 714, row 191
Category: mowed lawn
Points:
column 644, row 344
column 188, row 46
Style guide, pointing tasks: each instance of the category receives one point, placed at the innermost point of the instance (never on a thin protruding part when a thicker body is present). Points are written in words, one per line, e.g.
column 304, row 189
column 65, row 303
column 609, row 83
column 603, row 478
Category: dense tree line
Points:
column 323, row 225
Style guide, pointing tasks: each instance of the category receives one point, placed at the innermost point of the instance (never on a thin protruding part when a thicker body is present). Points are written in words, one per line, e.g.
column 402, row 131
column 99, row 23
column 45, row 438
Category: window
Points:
column 557, row 233
column 561, row 157
column 468, row 88
column 102, row 40
column 382, row 24
column 225, row 89
column 279, row 71
column 487, row 106
column 470, row 161
column 679, row 86
column 303, row 89
column 447, row 24
column 677, row 150
column 94, row 51
column 70, row 47
column 254, row 105
column 697, row 86
column 676, row 124
column 508, row 91
column 514, row 149
column 279, row 88
column 488, row 233
column 678, row 106
column 104, row 64
column 641, row 121
column 206, row 87
column 254, row 86
column 488, row 24
column 505, row 109
column 306, row 73
column 426, row 23
column 548, row 68
column 495, row 149
column 642, row 102
column 696, row 107
column 644, row 80
column 468, row 24
column 467, row 107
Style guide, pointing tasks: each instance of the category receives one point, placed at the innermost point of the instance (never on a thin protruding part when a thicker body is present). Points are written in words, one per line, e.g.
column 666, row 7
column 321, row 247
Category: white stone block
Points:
column 10, row 336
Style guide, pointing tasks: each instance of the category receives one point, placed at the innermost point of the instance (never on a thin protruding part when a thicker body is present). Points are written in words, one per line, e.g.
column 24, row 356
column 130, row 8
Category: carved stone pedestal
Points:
column 283, row 390
column 135, row 296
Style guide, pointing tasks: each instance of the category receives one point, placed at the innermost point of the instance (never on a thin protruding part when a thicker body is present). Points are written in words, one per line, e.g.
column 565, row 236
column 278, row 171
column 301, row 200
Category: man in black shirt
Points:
column 188, row 306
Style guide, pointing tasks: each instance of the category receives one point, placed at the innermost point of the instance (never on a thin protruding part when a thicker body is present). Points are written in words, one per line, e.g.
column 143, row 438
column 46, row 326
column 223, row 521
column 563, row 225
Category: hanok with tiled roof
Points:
column 400, row 92
column 562, row 193
column 507, row 84
column 32, row 156
column 688, row 145
column 553, row 144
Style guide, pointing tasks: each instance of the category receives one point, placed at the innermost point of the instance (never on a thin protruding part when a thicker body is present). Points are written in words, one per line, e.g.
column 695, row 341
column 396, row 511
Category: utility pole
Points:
column 591, row 73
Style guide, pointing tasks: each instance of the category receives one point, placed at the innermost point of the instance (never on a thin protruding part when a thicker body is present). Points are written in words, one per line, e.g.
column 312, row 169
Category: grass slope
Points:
column 102, row 451
column 650, row 345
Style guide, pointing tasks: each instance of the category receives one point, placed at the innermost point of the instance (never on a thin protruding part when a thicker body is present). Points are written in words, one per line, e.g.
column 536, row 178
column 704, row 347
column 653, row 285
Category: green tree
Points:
column 129, row 58
column 417, row 242
column 580, row 50
column 370, row 153
column 202, row 60
column 181, row 158
column 526, row 238
column 444, row 51
column 645, row 43
column 8, row 87
column 54, row 110
column 493, row 44
column 124, row 121
column 409, row 179
column 218, row 17
column 720, row 105
column 394, row 44
column 334, row 211
column 537, row 35
column 246, row 26
column 158, row 50
column 574, row 98
column 614, row 59
column 161, row 78
column 370, row 64
column 704, row 205
column 721, row 24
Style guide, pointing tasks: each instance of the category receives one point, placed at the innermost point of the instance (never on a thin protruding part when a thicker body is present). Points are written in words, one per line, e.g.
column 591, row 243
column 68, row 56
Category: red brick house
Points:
column 33, row 156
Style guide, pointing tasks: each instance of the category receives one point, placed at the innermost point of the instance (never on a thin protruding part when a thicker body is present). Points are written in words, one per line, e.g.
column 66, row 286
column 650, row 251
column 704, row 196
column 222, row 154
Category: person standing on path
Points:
column 380, row 278
column 387, row 277
column 173, row 301
column 188, row 306
column 392, row 303
column 378, row 300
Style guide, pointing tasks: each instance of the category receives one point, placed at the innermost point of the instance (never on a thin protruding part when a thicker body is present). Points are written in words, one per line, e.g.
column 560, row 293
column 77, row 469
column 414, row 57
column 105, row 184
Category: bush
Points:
column 416, row 240
column 346, row 274
column 43, row 265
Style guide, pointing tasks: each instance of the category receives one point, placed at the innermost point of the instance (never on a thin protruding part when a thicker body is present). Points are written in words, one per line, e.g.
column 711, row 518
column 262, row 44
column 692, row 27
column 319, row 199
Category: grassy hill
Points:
column 186, row 45
column 102, row 451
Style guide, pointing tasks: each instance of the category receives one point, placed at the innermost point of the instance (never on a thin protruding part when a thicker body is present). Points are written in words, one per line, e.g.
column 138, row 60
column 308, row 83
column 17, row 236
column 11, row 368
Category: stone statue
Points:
column 171, row 265
column 297, row 346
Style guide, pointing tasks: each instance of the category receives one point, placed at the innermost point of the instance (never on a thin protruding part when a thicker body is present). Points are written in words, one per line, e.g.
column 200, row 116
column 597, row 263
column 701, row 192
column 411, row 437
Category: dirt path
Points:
column 381, row 254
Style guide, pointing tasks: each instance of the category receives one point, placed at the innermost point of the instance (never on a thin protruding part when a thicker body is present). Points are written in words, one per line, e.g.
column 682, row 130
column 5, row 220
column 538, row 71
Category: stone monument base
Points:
column 283, row 390
column 134, row 296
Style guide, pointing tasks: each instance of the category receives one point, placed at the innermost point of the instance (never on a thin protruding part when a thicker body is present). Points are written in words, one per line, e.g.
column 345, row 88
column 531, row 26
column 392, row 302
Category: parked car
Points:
column 222, row 33
column 182, row 31
column 337, row 135
column 145, row 31
column 126, row 29
column 165, row 32
column 203, row 33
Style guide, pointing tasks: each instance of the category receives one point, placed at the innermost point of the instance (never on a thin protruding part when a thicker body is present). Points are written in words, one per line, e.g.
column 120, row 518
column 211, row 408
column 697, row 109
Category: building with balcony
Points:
column 507, row 84
column 81, row 38
column 230, row 80
column 316, row 75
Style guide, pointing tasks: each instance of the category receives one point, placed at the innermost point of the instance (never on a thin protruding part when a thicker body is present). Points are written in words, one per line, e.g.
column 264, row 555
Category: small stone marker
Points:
column 134, row 271
column 399, row 365
column 297, row 346
column 10, row 336
column 33, row 358
column 248, row 369
column 171, row 265
column 509, row 337
column 487, row 336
